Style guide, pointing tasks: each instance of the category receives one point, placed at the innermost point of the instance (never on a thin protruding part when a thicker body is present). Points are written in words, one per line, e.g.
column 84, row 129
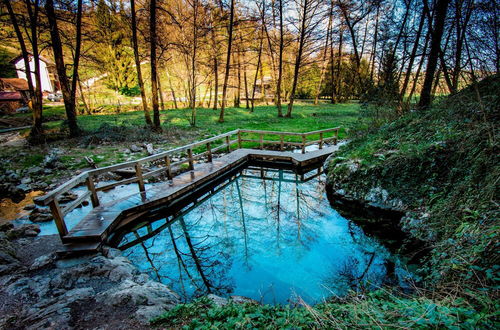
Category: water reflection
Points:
column 268, row 234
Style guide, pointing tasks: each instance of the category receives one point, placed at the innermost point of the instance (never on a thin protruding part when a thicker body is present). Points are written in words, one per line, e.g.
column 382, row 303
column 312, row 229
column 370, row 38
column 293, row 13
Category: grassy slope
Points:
column 443, row 163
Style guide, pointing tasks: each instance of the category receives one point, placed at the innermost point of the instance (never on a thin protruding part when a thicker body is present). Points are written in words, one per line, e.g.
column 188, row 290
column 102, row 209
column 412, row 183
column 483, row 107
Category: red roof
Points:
column 10, row 96
column 13, row 84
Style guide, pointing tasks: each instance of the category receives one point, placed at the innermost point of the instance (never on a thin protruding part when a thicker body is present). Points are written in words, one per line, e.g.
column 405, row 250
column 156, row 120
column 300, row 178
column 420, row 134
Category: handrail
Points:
column 88, row 176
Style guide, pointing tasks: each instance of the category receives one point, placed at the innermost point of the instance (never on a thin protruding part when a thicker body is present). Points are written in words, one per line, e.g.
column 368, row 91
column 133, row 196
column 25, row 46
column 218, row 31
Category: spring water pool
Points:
column 267, row 234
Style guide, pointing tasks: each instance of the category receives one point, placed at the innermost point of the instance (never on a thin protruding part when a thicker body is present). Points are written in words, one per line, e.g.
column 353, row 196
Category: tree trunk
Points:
column 325, row 52
column 154, row 74
column 216, row 68
column 193, row 64
column 69, row 100
column 437, row 34
column 228, row 63
column 413, row 54
column 280, row 61
column 135, row 45
column 259, row 59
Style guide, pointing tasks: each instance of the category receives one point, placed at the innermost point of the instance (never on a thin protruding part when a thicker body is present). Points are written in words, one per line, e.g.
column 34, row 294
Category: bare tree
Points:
column 436, row 36
column 228, row 62
column 35, row 89
column 135, row 45
column 308, row 9
column 68, row 89
column 154, row 74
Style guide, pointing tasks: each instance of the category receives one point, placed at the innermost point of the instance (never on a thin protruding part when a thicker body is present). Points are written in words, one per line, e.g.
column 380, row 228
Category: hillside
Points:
column 440, row 168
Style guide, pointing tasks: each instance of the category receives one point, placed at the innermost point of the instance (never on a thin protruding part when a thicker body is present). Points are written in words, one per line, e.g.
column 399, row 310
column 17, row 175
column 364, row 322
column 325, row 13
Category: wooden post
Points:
column 282, row 144
column 261, row 141
column 169, row 168
column 58, row 217
column 209, row 150
column 239, row 139
column 190, row 157
column 140, row 179
column 228, row 145
column 93, row 193
column 336, row 136
column 303, row 143
column 321, row 140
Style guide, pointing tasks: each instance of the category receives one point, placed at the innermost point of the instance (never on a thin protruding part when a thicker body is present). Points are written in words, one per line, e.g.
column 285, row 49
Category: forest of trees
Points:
column 220, row 53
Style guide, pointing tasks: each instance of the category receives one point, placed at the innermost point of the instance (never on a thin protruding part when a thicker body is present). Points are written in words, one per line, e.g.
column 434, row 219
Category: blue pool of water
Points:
column 267, row 235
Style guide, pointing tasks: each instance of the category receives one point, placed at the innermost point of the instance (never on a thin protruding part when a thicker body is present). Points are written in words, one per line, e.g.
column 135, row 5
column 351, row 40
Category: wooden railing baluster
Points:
column 140, row 179
column 190, row 157
column 303, row 143
column 58, row 218
column 209, row 150
column 169, row 168
column 93, row 193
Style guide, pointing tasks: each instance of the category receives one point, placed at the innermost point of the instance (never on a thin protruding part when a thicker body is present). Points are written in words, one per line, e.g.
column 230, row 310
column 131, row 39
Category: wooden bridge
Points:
column 99, row 224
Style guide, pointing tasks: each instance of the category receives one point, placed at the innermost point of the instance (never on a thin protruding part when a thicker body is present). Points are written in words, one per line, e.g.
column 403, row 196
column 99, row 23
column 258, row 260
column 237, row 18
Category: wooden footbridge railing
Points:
column 162, row 163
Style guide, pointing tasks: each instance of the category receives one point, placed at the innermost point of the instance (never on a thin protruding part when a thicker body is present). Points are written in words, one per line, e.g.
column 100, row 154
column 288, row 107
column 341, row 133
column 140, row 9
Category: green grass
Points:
column 305, row 117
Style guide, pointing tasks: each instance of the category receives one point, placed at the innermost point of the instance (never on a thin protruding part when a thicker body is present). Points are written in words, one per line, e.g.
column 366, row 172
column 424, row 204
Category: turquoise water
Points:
column 273, row 240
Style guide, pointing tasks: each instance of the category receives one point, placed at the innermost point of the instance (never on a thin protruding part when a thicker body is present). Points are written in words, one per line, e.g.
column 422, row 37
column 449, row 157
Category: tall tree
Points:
column 68, row 88
column 135, row 45
column 154, row 67
column 35, row 88
column 280, row 59
column 228, row 62
column 436, row 36
column 307, row 12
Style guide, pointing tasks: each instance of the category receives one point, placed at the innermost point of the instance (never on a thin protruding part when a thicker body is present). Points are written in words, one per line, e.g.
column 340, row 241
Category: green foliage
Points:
column 378, row 309
column 6, row 68
column 345, row 81
column 381, row 101
column 113, row 51
column 443, row 164
column 133, row 91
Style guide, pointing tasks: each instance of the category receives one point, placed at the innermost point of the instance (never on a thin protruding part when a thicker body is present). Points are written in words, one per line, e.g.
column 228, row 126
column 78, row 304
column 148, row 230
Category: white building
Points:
column 48, row 76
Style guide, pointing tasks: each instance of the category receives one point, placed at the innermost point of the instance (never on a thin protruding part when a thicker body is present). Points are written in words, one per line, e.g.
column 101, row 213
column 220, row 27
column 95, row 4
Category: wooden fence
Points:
column 163, row 164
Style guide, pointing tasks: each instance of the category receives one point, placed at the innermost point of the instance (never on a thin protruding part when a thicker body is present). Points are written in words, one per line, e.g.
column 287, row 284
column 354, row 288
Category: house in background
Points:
column 14, row 94
column 48, row 76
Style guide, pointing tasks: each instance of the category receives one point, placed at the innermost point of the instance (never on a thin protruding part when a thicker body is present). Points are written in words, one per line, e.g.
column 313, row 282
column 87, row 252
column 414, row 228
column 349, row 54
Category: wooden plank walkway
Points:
column 94, row 228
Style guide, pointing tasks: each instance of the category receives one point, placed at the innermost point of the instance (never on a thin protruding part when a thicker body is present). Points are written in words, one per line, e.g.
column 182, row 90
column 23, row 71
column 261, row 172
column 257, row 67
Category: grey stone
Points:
column 218, row 301
column 134, row 148
column 29, row 207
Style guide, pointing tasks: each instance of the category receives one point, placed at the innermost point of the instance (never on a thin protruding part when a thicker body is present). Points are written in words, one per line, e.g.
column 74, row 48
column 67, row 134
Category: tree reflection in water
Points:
column 267, row 234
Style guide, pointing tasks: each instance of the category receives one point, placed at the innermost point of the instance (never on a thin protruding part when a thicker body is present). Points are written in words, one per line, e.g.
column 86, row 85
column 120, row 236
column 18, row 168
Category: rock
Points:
column 29, row 207
column 218, row 301
column 149, row 149
column 243, row 300
column 42, row 262
column 111, row 253
column 134, row 148
column 35, row 170
column 15, row 193
column 28, row 230
column 40, row 186
column 68, row 197
column 24, row 187
column 6, row 226
column 150, row 293
column 26, row 180
column 40, row 215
